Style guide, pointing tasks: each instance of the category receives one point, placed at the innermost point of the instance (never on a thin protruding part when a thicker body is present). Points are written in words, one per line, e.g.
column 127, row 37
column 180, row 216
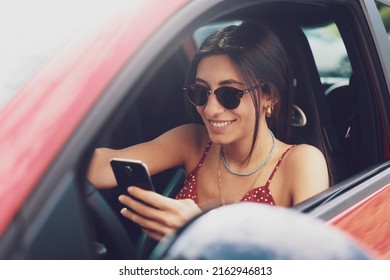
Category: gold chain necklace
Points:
column 221, row 200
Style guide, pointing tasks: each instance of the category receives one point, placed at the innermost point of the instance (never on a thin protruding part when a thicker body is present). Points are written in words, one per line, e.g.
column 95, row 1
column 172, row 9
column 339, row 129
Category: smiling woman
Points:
column 79, row 75
column 241, row 84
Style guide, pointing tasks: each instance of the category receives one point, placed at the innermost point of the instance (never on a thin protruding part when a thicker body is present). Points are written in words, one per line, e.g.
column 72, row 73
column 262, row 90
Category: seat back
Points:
column 342, row 99
column 310, row 98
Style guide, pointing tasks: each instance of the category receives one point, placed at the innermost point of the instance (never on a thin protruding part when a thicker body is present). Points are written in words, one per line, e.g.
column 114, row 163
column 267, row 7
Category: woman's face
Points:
column 223, row 125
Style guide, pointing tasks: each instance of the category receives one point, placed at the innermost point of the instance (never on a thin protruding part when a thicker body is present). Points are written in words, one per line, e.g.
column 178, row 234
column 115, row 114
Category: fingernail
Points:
column 121, row 198
column 130, row 189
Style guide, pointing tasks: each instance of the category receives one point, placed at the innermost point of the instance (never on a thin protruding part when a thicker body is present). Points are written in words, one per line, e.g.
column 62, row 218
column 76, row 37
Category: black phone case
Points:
column 131, row 173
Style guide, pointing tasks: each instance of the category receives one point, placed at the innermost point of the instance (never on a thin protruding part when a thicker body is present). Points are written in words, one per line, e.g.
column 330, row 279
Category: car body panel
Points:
column 368, row 222
column 40, row 118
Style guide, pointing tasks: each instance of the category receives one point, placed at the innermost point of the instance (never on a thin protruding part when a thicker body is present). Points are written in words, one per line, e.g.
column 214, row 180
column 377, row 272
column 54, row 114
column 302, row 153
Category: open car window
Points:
column 384, row 11
column 201, row 33
column 329, row 53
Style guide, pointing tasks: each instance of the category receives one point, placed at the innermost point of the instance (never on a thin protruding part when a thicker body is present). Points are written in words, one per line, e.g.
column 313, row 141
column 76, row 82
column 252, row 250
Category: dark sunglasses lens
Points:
column 196, row 94
column 228, row 97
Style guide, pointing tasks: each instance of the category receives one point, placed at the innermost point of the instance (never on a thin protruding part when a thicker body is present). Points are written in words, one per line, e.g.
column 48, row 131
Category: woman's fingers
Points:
column 152, row 198
column 157, row 213
column 165, row 210
column 183, row 206
column 153, row 234
column 139, row 209
column 168, row 218
column 145, row 223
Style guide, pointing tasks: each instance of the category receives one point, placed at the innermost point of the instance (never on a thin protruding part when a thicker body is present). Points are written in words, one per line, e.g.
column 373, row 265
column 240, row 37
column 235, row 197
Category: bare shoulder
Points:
column 191, row 130
column 307, row 170
column 188, row 135
column 185, row 141
column 304, row 154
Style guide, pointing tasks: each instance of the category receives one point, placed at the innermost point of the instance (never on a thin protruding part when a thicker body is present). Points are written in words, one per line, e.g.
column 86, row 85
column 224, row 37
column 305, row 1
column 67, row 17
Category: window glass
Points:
column 327, row 46
column 384, row 11
column 329, row 53
column 202, row 33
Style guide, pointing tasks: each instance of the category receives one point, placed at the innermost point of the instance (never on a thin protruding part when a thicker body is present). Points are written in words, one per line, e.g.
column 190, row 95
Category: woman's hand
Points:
column 158, row 215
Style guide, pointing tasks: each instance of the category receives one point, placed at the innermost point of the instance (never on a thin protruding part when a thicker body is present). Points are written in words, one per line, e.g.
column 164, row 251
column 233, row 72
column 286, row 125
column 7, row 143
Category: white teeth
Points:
column 220, row 124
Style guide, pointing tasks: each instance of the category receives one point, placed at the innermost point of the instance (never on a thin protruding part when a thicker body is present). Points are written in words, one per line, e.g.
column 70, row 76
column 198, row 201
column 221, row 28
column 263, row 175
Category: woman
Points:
column 240, row 82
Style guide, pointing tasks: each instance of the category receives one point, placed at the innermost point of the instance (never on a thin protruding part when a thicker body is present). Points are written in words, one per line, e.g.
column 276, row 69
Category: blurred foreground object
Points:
column 256, row 231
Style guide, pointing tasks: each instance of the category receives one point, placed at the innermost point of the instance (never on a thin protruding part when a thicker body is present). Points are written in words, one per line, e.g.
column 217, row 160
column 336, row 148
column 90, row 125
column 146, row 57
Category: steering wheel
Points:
column 113, row 241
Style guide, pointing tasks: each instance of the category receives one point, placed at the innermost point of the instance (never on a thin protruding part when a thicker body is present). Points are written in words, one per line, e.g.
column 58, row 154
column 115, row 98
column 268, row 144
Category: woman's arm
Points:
column 168, row 150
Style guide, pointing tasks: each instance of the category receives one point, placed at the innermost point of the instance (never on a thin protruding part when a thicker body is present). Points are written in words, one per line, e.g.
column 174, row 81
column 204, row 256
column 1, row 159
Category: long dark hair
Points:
column 259, row 56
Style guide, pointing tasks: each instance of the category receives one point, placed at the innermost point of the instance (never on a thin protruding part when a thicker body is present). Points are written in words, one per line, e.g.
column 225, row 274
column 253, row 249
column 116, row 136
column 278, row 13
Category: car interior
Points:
column 337, row 117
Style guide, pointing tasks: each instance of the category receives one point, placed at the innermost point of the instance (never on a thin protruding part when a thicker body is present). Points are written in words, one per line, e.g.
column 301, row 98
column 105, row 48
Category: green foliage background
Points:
column 385, row 14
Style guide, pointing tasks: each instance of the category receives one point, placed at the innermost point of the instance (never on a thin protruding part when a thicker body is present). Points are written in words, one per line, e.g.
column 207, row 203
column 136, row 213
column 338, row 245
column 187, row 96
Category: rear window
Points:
column 329, row 53
column 384, row 11
column 203, row 32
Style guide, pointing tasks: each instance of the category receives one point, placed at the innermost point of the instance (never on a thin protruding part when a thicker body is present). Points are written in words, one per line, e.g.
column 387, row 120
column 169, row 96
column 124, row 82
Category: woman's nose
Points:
column 213, row 106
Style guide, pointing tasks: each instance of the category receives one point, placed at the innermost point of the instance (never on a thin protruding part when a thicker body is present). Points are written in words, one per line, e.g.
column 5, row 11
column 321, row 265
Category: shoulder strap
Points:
column 277, row 166
column 199, row 165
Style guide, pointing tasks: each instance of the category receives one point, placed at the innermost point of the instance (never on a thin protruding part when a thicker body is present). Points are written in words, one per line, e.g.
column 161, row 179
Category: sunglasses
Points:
column 228, row 97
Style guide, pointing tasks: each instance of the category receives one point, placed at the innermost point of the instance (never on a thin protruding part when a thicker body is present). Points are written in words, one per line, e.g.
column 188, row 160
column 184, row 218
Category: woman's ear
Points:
column 268, row 105
column 268, row 100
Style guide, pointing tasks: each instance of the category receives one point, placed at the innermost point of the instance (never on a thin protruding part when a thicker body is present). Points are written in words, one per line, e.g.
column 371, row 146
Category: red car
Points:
column 110, row 73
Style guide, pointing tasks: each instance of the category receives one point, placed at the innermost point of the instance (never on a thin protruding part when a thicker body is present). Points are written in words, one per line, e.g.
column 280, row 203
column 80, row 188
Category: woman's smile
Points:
column 219, row 124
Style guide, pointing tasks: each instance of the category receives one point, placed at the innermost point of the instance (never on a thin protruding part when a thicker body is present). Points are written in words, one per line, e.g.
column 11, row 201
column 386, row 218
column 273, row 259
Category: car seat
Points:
column 310, row 98
column 342, row 99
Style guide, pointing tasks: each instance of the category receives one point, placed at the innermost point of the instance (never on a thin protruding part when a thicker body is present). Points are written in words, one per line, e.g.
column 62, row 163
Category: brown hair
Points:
column 259, row 56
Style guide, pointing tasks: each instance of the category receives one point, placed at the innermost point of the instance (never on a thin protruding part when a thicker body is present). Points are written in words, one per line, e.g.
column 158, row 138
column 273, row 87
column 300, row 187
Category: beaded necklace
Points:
column 257, row 168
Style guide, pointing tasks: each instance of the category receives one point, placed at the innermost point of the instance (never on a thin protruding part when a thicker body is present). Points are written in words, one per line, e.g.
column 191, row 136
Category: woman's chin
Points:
column 219, row 139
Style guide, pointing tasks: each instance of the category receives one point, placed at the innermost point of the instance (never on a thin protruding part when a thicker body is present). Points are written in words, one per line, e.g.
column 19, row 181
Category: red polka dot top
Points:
column 260, row 194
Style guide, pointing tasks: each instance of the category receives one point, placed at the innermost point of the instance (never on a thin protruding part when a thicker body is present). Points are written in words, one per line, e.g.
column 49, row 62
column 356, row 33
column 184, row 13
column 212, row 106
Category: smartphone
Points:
column 130, row 172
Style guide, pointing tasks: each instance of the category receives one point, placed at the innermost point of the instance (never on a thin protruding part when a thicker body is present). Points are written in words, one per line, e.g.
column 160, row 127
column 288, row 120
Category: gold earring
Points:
column 268, row 111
